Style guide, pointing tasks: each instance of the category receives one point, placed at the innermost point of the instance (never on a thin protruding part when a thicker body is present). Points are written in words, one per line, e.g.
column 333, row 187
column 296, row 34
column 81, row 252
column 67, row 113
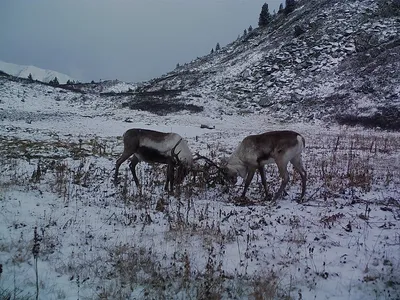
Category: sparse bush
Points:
column 162, row 107
column 298, row 30
column 265, row 288
column 385, row 118
column 388, row 8
column 365, row 41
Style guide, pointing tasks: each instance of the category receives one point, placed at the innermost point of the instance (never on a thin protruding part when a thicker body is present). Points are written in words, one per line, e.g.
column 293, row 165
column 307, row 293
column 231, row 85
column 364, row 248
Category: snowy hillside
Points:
column 336, row 61
column 98, row 240
column 37, row 73
column 67, row 231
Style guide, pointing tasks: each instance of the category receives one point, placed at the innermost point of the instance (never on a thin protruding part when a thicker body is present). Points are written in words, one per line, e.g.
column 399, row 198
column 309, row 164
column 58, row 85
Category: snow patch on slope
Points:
column 37, row 73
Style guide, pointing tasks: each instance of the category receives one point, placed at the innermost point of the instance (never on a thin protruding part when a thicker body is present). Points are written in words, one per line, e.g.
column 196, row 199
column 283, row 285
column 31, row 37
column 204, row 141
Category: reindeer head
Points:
column 183, row 169
column 230, row 174
column 175, row 156
column 232, row 168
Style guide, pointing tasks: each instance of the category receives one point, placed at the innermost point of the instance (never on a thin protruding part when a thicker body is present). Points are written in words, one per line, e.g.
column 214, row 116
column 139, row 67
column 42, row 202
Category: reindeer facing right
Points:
column 155, row 147
column 255, row 151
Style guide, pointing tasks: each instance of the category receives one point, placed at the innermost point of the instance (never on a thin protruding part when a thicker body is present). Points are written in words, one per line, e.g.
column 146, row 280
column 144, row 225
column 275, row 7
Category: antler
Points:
column 211, row 177
column 199, row 156
column 174, row 155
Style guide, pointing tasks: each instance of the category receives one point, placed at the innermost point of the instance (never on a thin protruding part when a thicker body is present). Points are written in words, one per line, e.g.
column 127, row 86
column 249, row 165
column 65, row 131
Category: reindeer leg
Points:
column 263, row 180
column 282, row 166
column 124, row 156
column 249, row 177
column 132, row 166
column 298, row 165
column 170, row 177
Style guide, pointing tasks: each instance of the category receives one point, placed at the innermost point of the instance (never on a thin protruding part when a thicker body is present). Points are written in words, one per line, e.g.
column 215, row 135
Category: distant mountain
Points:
column 37, row 73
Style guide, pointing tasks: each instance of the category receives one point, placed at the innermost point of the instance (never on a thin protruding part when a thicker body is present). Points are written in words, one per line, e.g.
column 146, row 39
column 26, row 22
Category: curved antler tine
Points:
column 199, row 156
column 175, row 155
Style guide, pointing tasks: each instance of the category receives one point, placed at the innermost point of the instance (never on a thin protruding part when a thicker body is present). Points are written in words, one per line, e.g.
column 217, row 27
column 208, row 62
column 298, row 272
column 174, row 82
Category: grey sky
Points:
column 130, row 40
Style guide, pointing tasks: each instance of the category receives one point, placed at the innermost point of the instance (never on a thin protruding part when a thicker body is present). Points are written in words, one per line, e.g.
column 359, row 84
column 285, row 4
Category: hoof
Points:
column 168, row 191
column 300, row 200
column 269, row 197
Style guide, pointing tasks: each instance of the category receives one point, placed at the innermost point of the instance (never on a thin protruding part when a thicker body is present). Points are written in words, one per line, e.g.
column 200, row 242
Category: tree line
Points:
column 265, row 18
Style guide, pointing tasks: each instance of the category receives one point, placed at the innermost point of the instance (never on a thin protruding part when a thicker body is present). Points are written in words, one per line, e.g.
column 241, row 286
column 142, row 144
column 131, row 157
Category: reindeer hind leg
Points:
column 263, row 180
column 282, row 166
column 132, row 166
column 298, row 166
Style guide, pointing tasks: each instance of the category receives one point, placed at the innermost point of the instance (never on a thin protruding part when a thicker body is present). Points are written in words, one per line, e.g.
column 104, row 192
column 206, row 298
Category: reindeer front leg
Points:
column 249, row 178
column 132, row 166
column 125, row 155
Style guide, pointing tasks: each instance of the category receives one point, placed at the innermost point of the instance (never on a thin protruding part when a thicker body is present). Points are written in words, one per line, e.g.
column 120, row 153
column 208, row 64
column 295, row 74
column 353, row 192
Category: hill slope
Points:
column 327, row 60
column 90, row 238
column 37, row 73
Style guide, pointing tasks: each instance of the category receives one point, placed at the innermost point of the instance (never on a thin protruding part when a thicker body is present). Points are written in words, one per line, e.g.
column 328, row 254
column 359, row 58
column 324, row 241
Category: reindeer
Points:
column 255, row 151
column 155, row 147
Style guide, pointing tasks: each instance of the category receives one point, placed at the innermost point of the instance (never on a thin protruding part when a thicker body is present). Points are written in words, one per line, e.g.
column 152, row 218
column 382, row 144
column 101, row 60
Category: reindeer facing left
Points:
column 156, row 147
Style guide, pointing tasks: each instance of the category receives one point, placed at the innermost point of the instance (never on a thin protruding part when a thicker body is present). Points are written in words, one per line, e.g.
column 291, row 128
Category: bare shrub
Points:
column 387, row 117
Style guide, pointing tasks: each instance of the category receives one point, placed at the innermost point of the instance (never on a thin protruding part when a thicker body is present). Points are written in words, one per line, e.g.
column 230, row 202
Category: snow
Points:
column 37, row 73
column 101, row 239
column 104, row 241
column 121, row 87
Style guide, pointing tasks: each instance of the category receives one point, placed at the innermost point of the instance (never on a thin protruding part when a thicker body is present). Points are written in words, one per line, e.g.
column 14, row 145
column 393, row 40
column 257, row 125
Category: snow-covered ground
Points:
column 37, row 73
column 101, row 241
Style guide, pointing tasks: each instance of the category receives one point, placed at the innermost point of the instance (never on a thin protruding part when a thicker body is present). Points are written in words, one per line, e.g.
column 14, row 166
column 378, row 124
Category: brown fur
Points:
column 257, row 150
column 152, row 147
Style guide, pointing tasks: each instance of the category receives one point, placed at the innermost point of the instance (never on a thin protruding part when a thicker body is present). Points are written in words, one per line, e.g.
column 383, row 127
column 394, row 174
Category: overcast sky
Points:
column 130, row 40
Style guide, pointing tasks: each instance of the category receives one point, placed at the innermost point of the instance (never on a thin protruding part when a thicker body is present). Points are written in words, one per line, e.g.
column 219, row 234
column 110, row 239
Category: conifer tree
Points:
column 280, row 10
column 30, row 77
column 217, row 47
column 290, row 5
column 54, row 81
column 265, row 16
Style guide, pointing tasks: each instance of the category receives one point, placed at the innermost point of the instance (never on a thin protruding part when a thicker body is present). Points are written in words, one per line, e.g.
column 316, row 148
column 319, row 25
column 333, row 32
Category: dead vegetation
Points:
column 179, row 244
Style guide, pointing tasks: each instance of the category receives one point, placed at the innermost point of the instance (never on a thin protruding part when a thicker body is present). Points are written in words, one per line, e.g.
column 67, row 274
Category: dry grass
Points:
column 343, row 171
